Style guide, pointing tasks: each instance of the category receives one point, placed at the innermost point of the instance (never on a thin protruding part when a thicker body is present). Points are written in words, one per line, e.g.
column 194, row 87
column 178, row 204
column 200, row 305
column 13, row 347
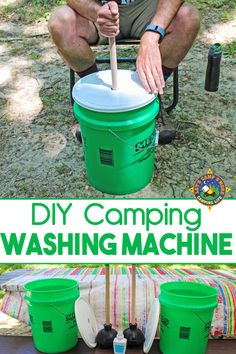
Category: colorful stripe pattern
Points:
column 92, row 287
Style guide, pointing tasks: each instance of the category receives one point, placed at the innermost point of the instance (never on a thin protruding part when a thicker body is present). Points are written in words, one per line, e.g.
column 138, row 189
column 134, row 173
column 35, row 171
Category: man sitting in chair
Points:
column 166, row 29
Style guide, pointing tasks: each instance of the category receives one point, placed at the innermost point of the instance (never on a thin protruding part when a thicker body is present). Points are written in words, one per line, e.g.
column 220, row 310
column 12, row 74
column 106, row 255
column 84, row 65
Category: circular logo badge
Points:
column 209, row 189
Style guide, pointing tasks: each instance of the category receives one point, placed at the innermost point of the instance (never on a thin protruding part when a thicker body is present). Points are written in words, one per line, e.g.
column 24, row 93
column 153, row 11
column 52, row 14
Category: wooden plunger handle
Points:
column 108, row 321
column 113, row 59
column 133, row 317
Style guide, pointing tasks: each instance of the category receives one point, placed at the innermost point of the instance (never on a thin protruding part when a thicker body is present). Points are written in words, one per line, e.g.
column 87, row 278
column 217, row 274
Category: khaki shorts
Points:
column 134, row 18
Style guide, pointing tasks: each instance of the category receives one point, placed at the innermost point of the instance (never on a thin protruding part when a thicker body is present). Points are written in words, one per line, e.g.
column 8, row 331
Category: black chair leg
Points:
column 72, row 82
column 175, row 91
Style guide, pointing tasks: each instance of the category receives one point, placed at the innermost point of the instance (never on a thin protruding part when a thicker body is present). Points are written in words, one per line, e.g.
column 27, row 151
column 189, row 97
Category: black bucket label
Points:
column 145, row 143
column 206, row 330
column 70, row 317
column 145, row 148
column 70, row 320
column 145, row 156
column 165, row 321
column 184, row 332
column 207, row 327
column 106, row 157
column 47, row 326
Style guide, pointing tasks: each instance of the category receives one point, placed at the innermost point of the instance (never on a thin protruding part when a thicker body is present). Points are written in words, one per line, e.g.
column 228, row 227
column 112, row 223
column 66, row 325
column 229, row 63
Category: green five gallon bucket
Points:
column 186, row 315
column 118, row 131
column 51, row 309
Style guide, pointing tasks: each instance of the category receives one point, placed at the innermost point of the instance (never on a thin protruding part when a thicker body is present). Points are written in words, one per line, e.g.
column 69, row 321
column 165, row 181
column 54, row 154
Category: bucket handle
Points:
column 55, row 308
column 197, row 315
column 156, row 135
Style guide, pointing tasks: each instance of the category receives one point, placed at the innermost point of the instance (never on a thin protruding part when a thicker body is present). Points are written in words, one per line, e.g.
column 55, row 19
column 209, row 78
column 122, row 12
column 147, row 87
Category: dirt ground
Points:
column 40, row 156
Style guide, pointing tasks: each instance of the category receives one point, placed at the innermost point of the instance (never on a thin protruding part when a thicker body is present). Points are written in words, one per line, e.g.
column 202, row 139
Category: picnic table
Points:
column 91, row 282
column 24, row 345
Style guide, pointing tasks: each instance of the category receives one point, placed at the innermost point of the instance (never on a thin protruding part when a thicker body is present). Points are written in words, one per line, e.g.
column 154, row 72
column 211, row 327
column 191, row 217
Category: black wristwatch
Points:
column 157, row 29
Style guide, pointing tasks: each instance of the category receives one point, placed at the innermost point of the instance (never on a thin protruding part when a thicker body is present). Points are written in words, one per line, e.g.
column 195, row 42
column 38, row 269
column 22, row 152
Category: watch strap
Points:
column 157, row 29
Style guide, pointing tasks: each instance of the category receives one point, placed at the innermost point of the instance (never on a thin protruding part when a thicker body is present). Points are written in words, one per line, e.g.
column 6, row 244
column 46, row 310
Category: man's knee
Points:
column 62, row 20
column 189, row 18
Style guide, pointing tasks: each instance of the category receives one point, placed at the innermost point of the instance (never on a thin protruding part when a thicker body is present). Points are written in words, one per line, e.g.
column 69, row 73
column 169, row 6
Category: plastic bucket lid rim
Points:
column 187, row 286
column 102, row 98
column 193, row 308
column 189, row 296
column 37, row 290
column 48, row 301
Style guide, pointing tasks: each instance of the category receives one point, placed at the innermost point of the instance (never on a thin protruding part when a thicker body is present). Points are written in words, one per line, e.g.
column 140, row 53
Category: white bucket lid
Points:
column 151, row 327
column 86, row 322
column 95, row 92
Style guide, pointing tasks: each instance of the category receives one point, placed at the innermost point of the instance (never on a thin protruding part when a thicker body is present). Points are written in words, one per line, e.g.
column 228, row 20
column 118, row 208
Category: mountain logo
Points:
column 209, row 189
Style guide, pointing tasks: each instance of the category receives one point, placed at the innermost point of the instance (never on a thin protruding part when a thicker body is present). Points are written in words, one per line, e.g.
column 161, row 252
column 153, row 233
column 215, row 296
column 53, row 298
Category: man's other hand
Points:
column 149, row 64
column 108, row 19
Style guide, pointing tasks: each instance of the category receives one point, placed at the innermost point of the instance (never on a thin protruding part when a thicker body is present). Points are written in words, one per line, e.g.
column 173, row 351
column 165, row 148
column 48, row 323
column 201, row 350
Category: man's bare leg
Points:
column 73, row 35
column 182, row 31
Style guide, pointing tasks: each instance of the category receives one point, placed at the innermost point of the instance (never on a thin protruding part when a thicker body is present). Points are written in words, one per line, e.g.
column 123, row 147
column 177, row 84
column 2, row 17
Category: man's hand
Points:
column 149, row 64
column 108, row 19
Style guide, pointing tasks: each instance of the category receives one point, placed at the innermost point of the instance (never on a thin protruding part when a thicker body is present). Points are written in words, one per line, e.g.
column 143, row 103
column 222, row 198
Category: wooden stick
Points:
column 108, row 321
column 113, row 58
column 133, row 317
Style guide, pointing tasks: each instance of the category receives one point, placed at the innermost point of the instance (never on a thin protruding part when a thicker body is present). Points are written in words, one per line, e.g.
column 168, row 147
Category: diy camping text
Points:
column 98, row 228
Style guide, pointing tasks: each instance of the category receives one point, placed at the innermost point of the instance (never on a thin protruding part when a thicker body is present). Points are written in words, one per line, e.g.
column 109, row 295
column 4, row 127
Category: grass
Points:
column 230, row 49
column 4, row 268
column 35, row 56
column 17, row 49
column 227, row 15
column 28, row 48
column 10, row 267
column 29, row 11
column 3, row 33
column 191, row 135
column 216, row 4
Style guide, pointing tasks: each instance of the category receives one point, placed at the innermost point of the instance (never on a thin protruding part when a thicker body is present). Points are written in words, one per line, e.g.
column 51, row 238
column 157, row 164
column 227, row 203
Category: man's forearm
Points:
column 166, row 11
column 86, row 8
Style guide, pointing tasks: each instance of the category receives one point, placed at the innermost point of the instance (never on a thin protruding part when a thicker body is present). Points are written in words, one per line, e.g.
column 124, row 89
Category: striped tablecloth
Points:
column 92, row 286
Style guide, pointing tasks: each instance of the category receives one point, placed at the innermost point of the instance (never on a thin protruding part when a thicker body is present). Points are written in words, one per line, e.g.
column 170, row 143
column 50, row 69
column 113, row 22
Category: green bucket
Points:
column 51, row 310
column 118, row 131
column 118, row 148
column 186, row 315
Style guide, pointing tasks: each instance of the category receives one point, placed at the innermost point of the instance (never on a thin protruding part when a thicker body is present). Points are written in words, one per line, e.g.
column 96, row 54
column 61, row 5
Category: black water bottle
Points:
column 213, row 68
